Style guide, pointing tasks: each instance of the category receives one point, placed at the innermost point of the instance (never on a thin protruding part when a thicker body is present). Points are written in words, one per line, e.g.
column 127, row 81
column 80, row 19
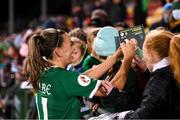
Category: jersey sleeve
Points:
column 80, row 85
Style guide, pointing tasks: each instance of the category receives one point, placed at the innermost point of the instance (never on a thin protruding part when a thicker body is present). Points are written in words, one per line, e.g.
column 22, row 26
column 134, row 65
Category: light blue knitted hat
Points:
column 105, row 42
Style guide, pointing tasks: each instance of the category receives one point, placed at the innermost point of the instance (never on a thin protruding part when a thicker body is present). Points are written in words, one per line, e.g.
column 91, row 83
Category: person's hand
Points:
column 1, row 104
column 107, row 86
column 139, row 64
column 94, row 106
column 128, row 49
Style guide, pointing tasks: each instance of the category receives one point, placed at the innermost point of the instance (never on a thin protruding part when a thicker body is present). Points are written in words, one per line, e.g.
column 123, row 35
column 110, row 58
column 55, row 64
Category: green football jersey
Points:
column 58, row 93
column 89, row 61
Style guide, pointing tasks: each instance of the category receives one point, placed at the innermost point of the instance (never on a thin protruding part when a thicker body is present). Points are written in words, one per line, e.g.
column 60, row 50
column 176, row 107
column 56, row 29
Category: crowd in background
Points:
column 88, row 17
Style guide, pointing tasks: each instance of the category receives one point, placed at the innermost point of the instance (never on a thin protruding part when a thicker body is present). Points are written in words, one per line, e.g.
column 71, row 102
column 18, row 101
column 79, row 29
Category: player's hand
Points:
column 108, row 86
column 94, row 106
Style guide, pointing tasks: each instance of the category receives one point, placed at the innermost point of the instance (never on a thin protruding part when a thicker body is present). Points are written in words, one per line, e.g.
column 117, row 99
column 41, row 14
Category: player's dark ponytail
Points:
column 41, row 48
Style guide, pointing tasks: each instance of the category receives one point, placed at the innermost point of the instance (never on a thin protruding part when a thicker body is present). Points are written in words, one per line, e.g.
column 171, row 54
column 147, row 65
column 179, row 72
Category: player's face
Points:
column 66, row 50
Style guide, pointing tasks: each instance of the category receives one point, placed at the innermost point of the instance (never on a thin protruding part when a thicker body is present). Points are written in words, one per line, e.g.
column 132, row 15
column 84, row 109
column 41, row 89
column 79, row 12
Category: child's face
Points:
column 76, row 54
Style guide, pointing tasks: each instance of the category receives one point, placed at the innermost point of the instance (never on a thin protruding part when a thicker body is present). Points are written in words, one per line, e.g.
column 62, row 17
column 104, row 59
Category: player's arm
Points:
column 100, row 69
column 119, row 80
column 105, row 88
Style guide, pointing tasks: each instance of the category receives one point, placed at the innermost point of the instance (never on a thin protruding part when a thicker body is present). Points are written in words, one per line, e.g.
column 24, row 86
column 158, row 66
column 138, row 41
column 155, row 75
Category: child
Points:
column 104, row 46
column 91, row 60
column 78, row 52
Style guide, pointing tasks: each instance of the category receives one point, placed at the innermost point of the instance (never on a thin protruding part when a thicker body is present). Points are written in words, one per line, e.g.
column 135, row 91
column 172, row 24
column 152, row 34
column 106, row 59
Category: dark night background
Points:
column 28, row 9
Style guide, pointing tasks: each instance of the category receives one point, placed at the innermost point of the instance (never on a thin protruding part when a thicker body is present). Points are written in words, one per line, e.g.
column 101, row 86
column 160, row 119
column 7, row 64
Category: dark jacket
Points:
column 118, row 102
column 161, row 98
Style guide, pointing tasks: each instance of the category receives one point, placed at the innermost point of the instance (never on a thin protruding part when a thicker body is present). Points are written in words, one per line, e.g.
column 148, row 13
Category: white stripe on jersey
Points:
column 37, row 106
column 44, row 105
column 95, row 89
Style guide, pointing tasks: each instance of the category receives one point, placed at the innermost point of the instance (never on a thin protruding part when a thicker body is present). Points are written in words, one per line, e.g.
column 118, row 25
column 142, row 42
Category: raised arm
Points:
column 120, row 78
column 100, row 69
